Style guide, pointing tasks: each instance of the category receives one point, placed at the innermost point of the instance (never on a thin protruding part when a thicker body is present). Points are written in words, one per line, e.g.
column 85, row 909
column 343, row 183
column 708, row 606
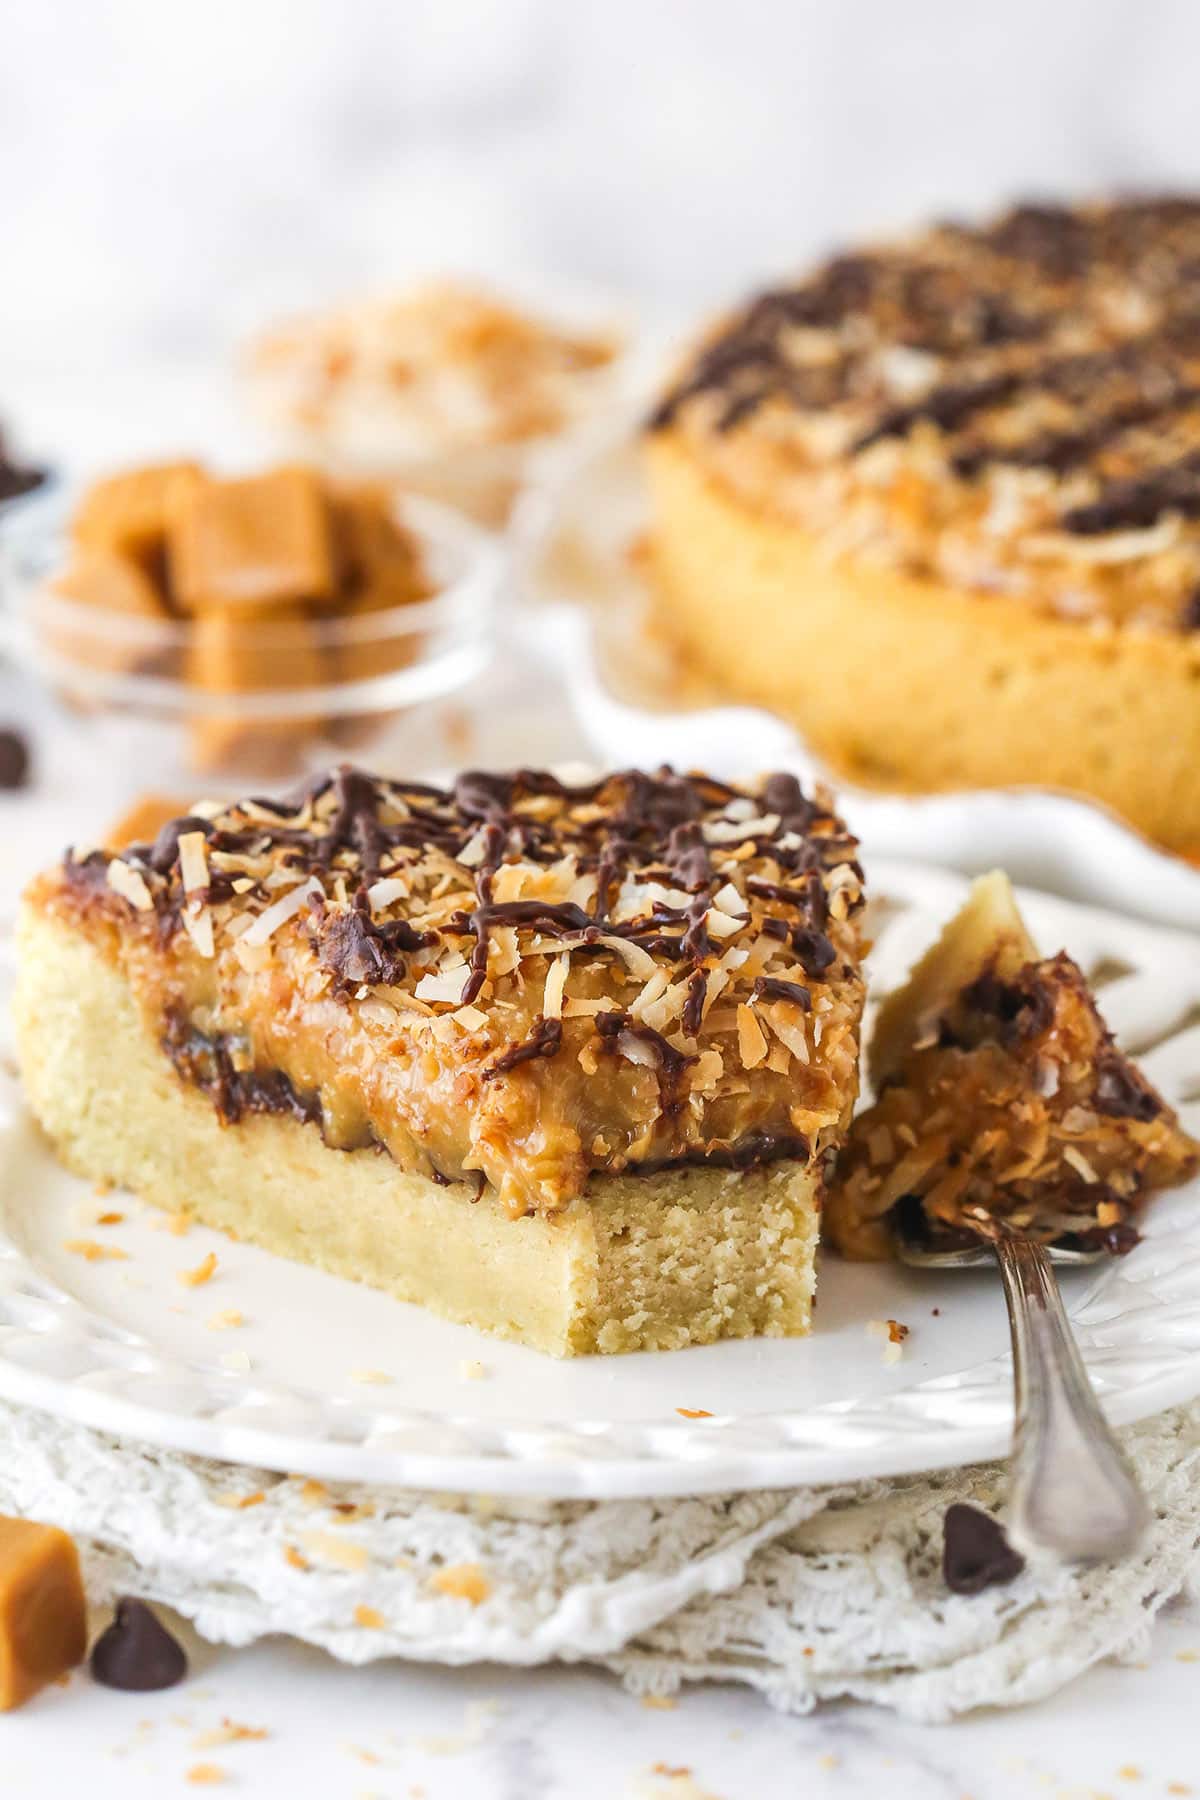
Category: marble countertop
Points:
column 418, row 1733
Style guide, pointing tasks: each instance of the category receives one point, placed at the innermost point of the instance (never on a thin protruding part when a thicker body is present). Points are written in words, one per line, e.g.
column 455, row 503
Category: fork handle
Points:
column 1073, row 1494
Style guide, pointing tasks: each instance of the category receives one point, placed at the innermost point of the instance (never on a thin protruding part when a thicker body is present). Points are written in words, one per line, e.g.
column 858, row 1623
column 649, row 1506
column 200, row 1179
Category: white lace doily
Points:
column 807, row 1595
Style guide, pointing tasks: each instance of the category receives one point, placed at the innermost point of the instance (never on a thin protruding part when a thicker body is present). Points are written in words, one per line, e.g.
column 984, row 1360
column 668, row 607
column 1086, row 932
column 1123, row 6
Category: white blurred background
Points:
column 176, row 174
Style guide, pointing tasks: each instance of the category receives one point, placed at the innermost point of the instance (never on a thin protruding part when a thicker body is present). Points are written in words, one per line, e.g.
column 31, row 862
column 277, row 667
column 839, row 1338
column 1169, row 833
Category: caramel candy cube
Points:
column 259, row 543
column 379, row 563
column 381, row 569
column 111, row 584
column 230, row 654
column 43, row 1612
column 128, row 514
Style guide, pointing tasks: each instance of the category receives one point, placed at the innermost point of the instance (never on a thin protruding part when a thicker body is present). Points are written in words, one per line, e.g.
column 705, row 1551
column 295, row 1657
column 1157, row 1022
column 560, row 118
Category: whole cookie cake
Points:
column 939, row 502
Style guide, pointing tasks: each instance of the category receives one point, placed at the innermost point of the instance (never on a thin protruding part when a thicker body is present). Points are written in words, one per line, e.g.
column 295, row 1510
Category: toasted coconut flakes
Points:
column 371, row 1377
column 792, row 1035
column 125, row 880
column 252, row 957
column 280, row 911
column 718, row 980
column 229, row 1320
column 328, row 1547
column 378, row 1012
column 752, row 1045
column 639, row 962
column 193, row 861
column 471, row 854
column 382, row 893
column 636, row 1050
column 408, row 1002
column 94, row 1252
column 199, row 927
column 653, row 991
column 463, row 1581
column 673, row 1001
column 446, row 983
column 243, row 884
column 587, row 1009
column 229, row 1731
column 710, row 1066
column 278, row 878
column 722, row 831
column 556, row 981
column 512, row 882
column 721, row 925
column 369, row 1618
column 469, row 1018
column 204, row 1271
column 728, row 899
column 1079, row 1163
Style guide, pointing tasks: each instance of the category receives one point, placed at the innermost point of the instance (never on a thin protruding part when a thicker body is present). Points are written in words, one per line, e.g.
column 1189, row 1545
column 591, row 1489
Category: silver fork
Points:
column 1072, row 1492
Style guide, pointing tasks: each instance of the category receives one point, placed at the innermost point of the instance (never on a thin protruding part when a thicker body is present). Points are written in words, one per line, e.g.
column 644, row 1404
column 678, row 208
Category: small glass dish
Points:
column 138, row 697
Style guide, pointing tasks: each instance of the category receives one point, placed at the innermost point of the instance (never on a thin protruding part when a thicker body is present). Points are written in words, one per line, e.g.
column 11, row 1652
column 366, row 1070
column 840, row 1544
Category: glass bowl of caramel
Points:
column 202, row 628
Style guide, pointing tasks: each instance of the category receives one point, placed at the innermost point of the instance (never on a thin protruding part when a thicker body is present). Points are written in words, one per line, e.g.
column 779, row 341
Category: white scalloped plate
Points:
column 572, row 542
column 123, row 1345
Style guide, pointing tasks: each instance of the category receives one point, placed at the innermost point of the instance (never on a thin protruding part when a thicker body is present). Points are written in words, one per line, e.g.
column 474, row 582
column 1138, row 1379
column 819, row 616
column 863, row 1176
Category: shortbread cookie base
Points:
column 641, row 1262
column 906, row 682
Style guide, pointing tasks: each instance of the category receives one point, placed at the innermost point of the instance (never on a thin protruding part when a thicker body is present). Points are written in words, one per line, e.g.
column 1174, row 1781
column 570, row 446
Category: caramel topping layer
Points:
column 1013, row 407
column 513, row 980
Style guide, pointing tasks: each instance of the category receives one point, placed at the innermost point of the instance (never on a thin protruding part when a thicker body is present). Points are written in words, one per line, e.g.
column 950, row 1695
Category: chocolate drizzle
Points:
column 766, row 987
column 620, row 1033
column 1030, row 362
column 647, row 853
column 544, row 1040
column 165, row 850
column 209, row 1062
column 1134, row 504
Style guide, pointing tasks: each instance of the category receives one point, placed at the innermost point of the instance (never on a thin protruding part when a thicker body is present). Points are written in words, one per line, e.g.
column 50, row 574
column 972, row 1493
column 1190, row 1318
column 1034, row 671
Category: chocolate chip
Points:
column 15, row 479
column 137, row 1653
column 14, row 760
column 975, row 1552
